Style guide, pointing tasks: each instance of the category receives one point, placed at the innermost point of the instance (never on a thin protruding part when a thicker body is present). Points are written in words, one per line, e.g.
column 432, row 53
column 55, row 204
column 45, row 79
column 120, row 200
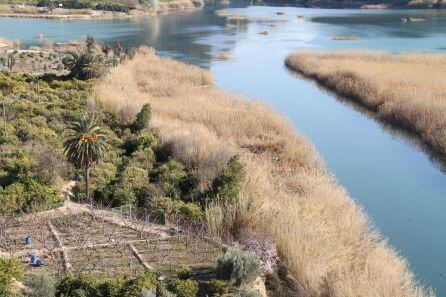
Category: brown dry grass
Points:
column 179, row 4
column 405, row 89
column 324, row 239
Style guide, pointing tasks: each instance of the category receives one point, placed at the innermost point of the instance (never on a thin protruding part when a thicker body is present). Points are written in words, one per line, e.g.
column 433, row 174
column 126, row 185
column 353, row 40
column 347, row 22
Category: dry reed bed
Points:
column 406, row 89
column 324, row 239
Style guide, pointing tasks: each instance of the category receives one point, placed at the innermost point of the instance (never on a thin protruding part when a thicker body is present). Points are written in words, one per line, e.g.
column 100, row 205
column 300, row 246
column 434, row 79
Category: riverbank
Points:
column 334, row 4
column 403, row 89
column 326, row 242
column 30, row 11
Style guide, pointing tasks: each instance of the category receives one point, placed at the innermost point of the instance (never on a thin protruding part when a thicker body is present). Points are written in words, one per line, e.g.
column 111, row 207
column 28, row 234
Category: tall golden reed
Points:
column 325, row 240
column 407, row 89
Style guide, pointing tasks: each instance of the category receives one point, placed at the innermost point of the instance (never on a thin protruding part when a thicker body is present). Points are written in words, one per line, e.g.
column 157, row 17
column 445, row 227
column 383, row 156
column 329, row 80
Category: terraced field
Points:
column 106, row 246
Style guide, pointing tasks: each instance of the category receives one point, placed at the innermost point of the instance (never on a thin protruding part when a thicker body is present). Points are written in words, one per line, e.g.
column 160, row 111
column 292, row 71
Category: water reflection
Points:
column 432, row 22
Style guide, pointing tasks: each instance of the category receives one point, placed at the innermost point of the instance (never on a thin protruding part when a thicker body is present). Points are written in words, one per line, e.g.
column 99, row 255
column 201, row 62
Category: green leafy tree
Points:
column 142, row 118
column 227, row 185
column 86, row 144
column 9, row 268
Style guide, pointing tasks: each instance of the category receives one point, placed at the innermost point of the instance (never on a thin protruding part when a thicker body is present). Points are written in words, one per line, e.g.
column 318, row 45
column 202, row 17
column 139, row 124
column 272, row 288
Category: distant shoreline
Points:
column 32, row 12
column 332, row 4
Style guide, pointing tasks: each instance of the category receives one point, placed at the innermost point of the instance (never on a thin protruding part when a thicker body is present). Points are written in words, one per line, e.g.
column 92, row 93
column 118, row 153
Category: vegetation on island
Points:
column 404, row 89
column 92, row 8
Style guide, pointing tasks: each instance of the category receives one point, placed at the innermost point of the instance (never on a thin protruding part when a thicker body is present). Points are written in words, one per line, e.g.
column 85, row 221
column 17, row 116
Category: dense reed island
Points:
column 404, row 89
column 326, row 243
column 87, row 9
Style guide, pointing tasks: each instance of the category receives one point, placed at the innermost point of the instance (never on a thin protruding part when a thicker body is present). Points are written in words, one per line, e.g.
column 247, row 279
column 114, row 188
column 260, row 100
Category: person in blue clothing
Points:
column 35, row 261
column 33, row 258
column 28, row 240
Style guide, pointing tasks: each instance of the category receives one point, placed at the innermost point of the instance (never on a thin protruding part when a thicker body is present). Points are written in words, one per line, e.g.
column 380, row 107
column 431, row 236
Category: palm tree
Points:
column 85, row 65
column 85, row 144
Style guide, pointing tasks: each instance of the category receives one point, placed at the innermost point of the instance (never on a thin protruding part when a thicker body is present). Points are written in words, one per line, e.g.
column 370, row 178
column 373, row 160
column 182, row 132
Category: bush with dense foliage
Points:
column 183, row 288
column 144, row 284
column 92, row 286
column 10, row 269
column 238, row 267
column 28, row 195
column 184, row 273
column 218, row 288
column 227, row 185
column 142, row 118
column 42, row 285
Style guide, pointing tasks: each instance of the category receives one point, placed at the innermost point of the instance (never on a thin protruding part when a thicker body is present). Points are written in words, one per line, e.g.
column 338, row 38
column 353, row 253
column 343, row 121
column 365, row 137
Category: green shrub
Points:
column 91, row 286
column 42, row 285
column 134, row 286
column 16, row 164
column 238, row 267
column 121, row 195
column 145, row 158
column 9, row 268
column 142, row 119
column 184, row 273
column 176, row 182
column 190, row 211
column 134, row 177
column 27, row 195
column 218, row 288
column 88, row 286
column 227, row 185
column 183, row 288
column 169, row 175
column 145, row 140
column 169, row 207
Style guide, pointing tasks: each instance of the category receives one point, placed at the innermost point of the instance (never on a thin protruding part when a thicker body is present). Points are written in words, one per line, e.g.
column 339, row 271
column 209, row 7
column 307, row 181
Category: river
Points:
column 400, row 185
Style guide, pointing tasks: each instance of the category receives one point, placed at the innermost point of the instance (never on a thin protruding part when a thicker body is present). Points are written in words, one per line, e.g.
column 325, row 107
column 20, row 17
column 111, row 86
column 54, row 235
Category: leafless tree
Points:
column 43, row 234
column 9, row 242
column 143, row 223
column 165, row 253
